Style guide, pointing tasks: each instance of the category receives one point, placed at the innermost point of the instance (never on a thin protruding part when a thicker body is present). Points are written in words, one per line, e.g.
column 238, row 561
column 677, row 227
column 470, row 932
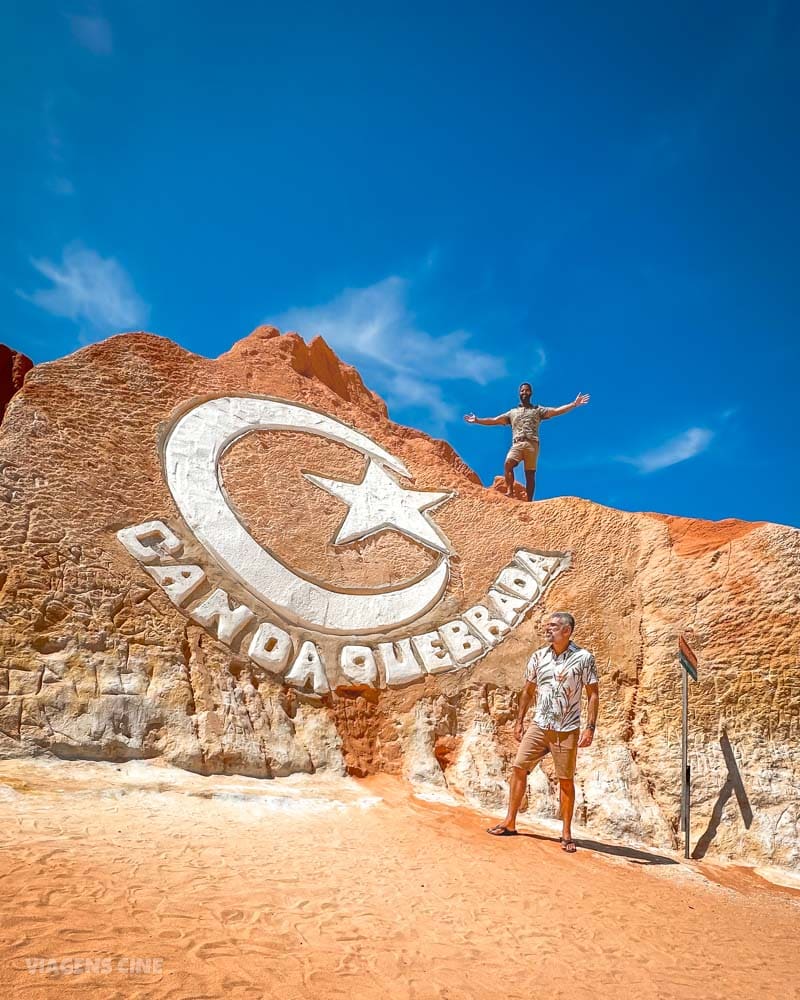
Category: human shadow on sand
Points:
column 632, row 854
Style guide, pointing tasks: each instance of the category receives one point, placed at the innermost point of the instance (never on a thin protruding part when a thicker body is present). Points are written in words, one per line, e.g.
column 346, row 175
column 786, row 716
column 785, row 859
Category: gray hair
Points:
column 565, row 618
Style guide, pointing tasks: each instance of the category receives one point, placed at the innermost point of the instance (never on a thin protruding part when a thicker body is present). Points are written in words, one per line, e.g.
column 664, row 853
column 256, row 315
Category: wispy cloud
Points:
column 96, row 292
column 61, row 186
column 374, row 327
column 54, row 141
column 678, row 449
column 682, row 133
column 375, row 323
column 93, row 33
column 409, row 391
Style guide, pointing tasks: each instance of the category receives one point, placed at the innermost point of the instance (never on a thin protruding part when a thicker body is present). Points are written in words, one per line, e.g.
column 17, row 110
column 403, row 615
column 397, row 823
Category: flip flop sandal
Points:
column 567, row 844
column 501, row 831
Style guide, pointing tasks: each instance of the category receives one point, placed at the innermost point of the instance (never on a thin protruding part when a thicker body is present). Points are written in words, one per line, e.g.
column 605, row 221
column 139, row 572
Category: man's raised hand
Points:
column 470, row 418
column 582, row 399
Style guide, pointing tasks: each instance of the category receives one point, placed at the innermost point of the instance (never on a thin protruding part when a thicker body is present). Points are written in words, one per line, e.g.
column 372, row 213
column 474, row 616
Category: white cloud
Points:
column 96, row 292
column 375, row 324
column 93, row 33
column 52, row 132
column 677, row 449
column 374, row 328
column 407, row 391
column 61, row 186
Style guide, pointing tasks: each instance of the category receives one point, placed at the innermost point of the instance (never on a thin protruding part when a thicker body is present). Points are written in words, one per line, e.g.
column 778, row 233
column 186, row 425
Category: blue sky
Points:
column 597, row 198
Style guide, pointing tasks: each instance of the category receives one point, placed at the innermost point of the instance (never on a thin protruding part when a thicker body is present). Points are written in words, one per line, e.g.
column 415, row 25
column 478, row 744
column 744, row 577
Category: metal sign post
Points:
column 689, row 663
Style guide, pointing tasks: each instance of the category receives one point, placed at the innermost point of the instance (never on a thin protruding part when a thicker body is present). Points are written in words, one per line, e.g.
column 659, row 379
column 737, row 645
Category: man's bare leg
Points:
column 517, row 786
column 508, row 469
column 567, row 797
column 530, row 482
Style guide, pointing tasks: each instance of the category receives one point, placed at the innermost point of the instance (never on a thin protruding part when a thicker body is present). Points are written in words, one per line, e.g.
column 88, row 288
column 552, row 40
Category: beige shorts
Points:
column 524, row 451
column 538, row 743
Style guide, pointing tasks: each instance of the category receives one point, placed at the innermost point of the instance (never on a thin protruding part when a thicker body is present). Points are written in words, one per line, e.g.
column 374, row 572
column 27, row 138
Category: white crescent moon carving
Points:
column 192, row 451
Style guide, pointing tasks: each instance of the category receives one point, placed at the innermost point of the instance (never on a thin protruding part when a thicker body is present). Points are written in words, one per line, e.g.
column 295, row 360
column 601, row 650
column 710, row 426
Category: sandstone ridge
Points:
column 160, row 598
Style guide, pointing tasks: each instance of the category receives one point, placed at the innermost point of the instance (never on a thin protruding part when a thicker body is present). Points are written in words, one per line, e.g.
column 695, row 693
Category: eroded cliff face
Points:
column 242, row 565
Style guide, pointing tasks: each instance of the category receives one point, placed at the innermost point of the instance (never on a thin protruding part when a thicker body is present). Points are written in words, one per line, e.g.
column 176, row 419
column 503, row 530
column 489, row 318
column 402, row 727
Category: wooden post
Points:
column 685, row 769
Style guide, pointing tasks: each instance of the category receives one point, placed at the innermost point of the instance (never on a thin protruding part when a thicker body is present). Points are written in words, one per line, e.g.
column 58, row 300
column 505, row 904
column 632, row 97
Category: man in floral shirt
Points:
column 555, row 676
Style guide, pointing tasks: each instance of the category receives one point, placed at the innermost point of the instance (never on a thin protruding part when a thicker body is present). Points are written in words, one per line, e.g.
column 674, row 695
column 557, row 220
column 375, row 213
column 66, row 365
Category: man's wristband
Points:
column 591, row 725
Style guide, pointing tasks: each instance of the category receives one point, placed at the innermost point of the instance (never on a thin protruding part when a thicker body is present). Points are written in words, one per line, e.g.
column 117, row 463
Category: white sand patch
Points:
column 298, row 793
column 780, row 876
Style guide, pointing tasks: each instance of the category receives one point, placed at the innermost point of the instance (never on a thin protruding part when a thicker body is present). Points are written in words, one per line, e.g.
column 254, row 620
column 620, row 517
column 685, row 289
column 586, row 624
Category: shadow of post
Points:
column 733, row 786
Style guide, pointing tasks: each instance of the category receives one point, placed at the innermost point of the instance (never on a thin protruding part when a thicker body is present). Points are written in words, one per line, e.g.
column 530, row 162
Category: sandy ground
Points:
column 170, row 885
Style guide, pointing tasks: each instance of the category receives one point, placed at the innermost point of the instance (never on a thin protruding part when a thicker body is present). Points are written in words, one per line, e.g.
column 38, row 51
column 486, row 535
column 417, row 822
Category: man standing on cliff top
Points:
column 525, row 420
column 555, row 676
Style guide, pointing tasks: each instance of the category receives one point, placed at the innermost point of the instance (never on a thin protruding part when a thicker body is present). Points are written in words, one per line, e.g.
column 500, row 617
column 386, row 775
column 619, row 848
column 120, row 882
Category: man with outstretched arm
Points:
column 554, row 677
column 525, row 420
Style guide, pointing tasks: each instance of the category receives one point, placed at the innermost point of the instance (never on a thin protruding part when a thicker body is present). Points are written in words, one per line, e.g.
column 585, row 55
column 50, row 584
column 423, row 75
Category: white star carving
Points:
column 378, row 503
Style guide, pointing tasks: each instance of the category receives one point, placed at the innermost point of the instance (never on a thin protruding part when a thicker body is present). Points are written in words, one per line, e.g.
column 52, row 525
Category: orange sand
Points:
column 331, row 888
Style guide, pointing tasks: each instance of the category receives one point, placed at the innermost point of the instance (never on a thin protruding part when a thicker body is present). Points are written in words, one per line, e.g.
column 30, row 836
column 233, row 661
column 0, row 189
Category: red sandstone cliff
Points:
column 13, row 368
column 97, row 661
